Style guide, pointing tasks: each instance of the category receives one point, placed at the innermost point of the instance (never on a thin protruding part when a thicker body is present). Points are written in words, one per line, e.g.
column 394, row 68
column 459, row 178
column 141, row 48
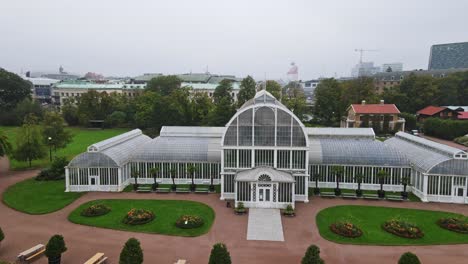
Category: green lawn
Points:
column 411, row 196
column 370, row 219
column 166, row 213
column 82, row 138
column 38, row 197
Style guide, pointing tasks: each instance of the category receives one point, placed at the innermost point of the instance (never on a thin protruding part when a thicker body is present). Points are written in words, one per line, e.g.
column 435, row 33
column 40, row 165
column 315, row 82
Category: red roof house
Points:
column 436, row 111
column 375, row 109
column 362, row 115
column 463, row 115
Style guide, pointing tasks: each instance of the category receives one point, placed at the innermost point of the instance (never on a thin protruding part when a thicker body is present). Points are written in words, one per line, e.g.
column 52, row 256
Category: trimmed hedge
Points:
column 447, row 129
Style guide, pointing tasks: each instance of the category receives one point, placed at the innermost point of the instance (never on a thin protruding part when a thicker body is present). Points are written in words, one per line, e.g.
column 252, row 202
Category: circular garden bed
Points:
column 96, row 210
column 402, row 229
column 459, row 225
column 189, row 221
column 346, row 229
column 138, row 217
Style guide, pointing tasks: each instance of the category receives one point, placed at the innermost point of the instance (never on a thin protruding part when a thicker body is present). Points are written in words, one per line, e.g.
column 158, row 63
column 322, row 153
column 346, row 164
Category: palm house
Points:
column 265, row 157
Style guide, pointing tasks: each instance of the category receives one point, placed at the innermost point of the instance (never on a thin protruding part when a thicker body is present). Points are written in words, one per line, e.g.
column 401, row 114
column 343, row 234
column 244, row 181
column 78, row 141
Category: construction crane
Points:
column 361, row 51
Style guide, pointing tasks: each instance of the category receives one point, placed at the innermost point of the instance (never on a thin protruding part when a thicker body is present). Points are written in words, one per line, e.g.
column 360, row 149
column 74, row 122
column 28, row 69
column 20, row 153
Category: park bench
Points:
column 98, row 258
column 201, row 190
column 349, row 196
column 327, row 194
column 28, row 255
column 394, row 198
column 370, row 196
column 144, row 189
column 181, row 261
column 163, row 190
column 182, row 190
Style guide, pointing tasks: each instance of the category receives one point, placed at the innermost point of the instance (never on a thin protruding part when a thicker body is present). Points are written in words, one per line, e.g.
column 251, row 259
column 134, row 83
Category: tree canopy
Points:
column 29, row 142
column 219, row 255
column 164, row 84
column 13, row 89
column 54, row 131
column 274, row 88
column 246, row 91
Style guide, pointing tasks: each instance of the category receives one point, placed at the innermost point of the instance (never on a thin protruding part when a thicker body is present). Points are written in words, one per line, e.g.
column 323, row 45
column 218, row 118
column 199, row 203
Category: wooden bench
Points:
column 182, row 190
column 144, row 189
column 201, row 190
column 328, row 194
column 349, row 196
column 394, row 198
column 181, row 261
column 163, row 190
column 98, row 258
column 27, row 255
column 370, row 196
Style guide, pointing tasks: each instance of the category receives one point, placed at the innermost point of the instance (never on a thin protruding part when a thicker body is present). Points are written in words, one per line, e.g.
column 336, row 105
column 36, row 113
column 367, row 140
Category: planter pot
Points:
column 174, row 187
column 381, row 194
column 358, row 193
column 240, row 212
column 289, row 214
column 404, row 195
column 316, row 191
column 193, row 187
column 55, row 260
column 337, row 192
column 155, row 186
column 212, row 188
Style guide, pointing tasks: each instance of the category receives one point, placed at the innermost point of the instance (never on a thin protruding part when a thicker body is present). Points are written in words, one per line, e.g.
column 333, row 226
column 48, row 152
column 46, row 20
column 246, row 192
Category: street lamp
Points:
column 50, row 148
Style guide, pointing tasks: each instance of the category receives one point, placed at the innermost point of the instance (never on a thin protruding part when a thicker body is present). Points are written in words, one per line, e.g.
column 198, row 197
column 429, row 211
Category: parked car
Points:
column 415, row 132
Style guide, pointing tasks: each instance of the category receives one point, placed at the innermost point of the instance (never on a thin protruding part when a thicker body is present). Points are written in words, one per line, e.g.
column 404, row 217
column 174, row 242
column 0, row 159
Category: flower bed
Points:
column 96, row 210
column 138, row 217
column 189, row 221
column 454, row 224
column 402, row 229
column 346, row 229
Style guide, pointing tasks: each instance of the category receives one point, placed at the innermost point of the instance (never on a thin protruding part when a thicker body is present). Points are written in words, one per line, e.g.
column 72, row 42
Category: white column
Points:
column 424, row 190
column 119, row 178
column 67, row 179
column 293, row 200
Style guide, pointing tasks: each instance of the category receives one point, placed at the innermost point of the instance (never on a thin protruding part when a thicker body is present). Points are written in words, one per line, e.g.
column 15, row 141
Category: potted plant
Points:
column 312, row 256
column 2, row 236
column 54, row 249
column 212, row 187
column 240, row 209
column 191, row 169
column 173, row 173
column 381, row 175
column 337, row 171
column 289, row 211
column 219, row 255
column 154, row 172
column 135, row 175
column 316, row 177
column 131, row 252
column 358, row 178
column 405, row 181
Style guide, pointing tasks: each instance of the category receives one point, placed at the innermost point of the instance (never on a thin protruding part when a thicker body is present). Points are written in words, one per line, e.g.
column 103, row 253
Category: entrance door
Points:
column 459, row 194
column 93, row 183
column 264, row 196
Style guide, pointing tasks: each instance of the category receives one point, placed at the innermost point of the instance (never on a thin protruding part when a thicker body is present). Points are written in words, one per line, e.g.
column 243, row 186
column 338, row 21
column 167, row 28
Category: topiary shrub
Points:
column 54, row 249
column 409, row 258
column 240, row 209
column 219, row 255
column 289, row 211
column 96, row 210
column 402, row 229
column 131, row 252
column 2, row 236
column 189, row 221
column 138, row 217
column 455, row 224
column 312, row 256
column 56, row 171
column 346, row 229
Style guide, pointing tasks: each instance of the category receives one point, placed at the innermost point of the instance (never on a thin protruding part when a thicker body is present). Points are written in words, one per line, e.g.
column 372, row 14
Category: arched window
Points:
column 264, row 129
column 264, row 177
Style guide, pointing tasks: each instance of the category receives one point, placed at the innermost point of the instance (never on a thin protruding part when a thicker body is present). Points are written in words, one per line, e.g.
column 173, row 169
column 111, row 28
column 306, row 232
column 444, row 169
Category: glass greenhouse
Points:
column 265, row 157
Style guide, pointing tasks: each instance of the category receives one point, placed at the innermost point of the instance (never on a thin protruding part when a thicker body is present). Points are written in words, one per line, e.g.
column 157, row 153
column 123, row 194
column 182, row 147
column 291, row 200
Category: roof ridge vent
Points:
column 113, row 141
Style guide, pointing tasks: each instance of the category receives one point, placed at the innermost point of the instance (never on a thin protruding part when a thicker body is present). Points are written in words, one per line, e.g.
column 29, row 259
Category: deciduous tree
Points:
column 29, row 141
column 247, row 90
column 54, row 131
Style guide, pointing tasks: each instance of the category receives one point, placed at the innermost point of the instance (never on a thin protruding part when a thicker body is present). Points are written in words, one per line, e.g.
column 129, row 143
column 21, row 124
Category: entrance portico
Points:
column 264, row 187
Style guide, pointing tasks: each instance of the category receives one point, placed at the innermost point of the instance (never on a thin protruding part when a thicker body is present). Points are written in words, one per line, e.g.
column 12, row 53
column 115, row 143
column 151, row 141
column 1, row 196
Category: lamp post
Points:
column 50, row 148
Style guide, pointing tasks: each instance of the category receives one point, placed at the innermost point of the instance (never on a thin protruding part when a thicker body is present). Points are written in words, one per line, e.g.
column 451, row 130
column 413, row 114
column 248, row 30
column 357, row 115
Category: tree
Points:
column 410, row 121
column 26, row 107
column 164, row 85
column 409, row 258
column 202, row 105
column 327, row 108
column 223, row 91
column 316, row 177
column 29, row 142
column 155, row 172
column 173, row 173
column 191, row 169
column 357, row 90
column 70, row 111
column 359, row 178
column 338, row 172
column 54, row 249
column 219, row 255
column 222, row 112
column 274, row 88
column 246, row 91
column 5, row 146
column 131, row 252
column 295, row 100
column 135, row 175
column 14, row 89
column 381, row 175
column 312, row 256
column 53, row 129
column 405, row 180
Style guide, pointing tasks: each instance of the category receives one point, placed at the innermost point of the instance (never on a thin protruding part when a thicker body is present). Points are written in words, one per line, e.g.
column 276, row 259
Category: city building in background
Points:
column 364, row 69
column 392, row 67
column 41, row 89
column 448, row 56
column 293, row 73
column 309, row 90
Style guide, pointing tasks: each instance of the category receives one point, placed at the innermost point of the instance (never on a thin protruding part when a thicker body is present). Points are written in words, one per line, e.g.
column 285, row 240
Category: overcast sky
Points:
column 240, row 37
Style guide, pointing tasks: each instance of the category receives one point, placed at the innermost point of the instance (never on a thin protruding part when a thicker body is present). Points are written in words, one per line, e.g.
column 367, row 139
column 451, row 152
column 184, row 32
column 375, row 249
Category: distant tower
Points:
column 293, row 75
column 61, row 69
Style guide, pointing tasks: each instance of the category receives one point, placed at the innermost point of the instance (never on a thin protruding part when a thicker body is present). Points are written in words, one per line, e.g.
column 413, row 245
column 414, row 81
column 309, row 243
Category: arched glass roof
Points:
column 92, row 160
column 264, row 121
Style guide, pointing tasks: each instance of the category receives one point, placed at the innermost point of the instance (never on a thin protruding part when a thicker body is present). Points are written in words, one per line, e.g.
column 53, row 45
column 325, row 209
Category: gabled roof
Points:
column 431, row 110
column 375, row 109
column 463, row 115
column 340, row 132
